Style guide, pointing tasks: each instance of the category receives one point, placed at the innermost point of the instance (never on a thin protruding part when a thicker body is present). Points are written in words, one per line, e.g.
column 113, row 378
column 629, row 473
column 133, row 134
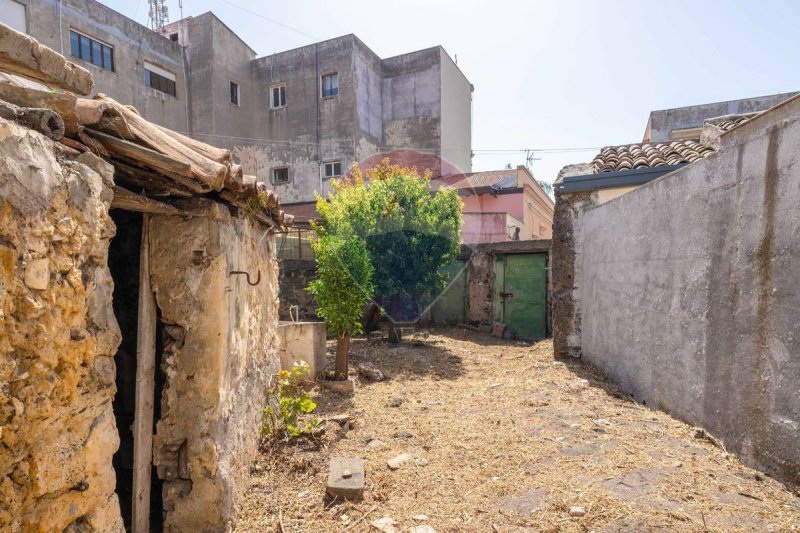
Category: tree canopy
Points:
column 410, row 231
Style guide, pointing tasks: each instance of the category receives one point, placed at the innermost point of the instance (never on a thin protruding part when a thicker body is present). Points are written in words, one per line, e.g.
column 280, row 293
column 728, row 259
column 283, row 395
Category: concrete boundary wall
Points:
column 688, row 296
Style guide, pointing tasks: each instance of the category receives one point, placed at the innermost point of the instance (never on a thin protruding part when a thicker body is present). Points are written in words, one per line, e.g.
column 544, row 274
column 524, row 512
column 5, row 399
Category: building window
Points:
column 280, row 175
column 330, row 85
column 235, row 94
column 278, row 96
column 332, row 169
column 12, row 13
column 91, row 51
column 159, row 79
column 173, row 37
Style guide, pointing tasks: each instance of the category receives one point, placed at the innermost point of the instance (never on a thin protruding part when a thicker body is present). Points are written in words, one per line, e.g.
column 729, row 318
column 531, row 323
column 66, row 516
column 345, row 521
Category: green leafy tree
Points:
column 343, row 286
column 410, row 232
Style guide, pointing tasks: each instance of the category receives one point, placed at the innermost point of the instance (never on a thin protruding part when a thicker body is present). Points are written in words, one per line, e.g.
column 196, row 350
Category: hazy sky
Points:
column 550, row 74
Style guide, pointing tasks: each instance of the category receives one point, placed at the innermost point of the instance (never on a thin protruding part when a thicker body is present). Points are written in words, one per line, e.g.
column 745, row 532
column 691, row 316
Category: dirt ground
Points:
column 513, row 440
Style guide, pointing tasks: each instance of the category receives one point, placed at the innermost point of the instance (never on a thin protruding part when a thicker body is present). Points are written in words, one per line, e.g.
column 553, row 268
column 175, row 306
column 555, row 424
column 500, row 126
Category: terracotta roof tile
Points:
column 634, row 156
column 728, row 122
column 473, row 180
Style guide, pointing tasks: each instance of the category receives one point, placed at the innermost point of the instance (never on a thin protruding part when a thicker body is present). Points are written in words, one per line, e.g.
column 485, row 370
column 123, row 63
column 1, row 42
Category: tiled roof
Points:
column 728, row 122
column 645, row 155
column 472, row 180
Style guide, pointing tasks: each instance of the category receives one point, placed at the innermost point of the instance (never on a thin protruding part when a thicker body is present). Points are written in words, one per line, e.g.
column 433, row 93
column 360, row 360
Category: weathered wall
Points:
column 456, row 103
column 688, row 291
column 50, row 21
column 220, row 349
column 295, row 275
column 566, row 317
column 662, row 123
column 58, row 337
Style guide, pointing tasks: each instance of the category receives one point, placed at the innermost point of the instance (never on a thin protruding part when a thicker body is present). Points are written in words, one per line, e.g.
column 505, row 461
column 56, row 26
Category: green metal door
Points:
column 450, row 306
column 522, row 301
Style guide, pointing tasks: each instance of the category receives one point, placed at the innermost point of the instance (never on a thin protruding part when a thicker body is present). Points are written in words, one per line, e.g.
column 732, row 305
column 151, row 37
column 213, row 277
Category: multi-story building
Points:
column 295, row 119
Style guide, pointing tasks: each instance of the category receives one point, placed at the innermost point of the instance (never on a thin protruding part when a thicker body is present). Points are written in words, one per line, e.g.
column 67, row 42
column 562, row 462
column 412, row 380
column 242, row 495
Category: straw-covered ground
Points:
column 507, row 439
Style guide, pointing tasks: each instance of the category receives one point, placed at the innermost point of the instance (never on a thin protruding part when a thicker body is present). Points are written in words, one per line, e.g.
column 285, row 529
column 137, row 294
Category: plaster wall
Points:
column 220, row 350
column 50, row 22
column 687, row 291
column 456, row 103
column 662, row 123
column 487, row 227
column 58, row 337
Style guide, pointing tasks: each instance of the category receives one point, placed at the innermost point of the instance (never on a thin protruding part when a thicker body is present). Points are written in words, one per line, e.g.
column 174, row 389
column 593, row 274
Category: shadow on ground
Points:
column 413, row 358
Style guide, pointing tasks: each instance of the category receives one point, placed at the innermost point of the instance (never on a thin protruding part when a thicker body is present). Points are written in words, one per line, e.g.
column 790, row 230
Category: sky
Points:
column 562, row 74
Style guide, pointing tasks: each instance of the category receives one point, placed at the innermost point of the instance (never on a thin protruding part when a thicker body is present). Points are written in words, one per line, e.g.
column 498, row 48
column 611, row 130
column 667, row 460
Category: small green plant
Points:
column 287, row 399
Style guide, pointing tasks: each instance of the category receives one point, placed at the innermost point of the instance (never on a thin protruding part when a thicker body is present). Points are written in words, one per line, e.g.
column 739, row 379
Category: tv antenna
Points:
column 158, row 16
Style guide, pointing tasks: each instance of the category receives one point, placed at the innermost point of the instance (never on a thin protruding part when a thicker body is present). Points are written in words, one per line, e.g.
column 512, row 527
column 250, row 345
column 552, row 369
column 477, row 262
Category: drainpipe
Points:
column 318, row 156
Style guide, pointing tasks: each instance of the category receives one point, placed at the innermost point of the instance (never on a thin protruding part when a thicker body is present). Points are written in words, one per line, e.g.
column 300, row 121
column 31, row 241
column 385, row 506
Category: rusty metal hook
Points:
column 258, row 277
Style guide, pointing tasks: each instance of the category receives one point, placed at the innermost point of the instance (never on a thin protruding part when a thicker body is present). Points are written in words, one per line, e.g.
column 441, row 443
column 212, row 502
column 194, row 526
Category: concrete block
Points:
column 303, row 341
column 346, row 478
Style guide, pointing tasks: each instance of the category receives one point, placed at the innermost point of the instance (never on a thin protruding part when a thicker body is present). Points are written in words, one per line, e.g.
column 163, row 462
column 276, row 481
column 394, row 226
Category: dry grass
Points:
column 513, row 439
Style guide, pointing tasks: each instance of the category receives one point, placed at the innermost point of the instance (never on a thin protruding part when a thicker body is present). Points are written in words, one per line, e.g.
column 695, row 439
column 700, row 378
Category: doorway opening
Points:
column 124, row 261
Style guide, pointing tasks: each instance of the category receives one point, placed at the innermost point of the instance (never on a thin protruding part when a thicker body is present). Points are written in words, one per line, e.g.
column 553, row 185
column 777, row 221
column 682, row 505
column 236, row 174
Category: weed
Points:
column 287, row 399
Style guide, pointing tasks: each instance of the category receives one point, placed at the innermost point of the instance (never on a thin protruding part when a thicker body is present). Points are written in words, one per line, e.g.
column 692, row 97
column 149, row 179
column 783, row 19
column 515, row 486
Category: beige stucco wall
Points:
column 606, row 195
column 538, row 208
column 58, row 336
column 221, row 351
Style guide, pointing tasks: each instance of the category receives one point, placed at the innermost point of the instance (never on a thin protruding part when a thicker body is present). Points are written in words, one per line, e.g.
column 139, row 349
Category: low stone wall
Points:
column 686, row 292
column 220, row 351
column 58, row 337
column 294, row 277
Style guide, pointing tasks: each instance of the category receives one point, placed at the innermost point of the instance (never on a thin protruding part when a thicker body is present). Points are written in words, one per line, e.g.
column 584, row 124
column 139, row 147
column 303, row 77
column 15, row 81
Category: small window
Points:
column 330, row 85
column 235, row 94
column 278, row 96
column 159, row 79
column 332, row 169
column 280, row 175
column 92, row 51
column 173, row 37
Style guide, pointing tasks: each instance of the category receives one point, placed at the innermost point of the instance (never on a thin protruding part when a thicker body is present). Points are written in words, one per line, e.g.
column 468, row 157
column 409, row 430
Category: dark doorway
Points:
column 124, row 264
column 123, row 261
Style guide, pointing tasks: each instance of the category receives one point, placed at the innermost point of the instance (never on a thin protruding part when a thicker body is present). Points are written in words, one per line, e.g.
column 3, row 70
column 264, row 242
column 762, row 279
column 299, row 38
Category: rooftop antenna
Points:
column 158, row 16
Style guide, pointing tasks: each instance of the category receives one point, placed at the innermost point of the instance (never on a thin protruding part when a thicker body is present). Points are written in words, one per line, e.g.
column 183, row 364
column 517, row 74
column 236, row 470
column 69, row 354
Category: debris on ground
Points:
column 397, row 461
column 577, row 511
column 385, row 524
column 556, row 435
column 368, row 370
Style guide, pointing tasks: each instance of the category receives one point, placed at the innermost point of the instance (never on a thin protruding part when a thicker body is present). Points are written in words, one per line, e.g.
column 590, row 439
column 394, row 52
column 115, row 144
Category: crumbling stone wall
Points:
column 566, row 316
column 295, row 275
column 58, row 337
column 220, row 350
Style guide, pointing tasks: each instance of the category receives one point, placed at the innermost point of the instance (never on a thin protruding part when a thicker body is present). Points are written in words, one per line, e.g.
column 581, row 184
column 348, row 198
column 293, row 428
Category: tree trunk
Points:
column 342, row 350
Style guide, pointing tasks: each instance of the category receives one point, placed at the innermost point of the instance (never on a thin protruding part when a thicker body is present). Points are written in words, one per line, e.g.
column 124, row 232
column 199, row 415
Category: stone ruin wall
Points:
column 58, row 337
column 219, row 353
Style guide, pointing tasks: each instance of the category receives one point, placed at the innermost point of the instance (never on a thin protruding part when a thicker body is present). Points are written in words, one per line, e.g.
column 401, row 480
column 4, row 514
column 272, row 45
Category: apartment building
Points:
column 295, row 119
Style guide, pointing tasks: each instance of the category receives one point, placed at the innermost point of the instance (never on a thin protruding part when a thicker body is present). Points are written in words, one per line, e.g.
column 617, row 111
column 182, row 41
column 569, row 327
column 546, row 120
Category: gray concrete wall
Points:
column 50, row 23
column 309, row 129
column 456, row 141
column 662, row 123
column 688, row 292
column 412, row 105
